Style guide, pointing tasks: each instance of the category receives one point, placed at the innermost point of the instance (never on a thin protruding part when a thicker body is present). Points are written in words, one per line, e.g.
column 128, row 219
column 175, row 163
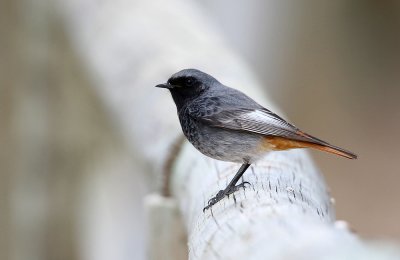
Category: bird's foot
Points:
column 222, row 193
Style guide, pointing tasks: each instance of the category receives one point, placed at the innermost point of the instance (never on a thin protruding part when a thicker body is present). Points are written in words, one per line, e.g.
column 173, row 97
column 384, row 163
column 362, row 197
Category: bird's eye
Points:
column 189, row 82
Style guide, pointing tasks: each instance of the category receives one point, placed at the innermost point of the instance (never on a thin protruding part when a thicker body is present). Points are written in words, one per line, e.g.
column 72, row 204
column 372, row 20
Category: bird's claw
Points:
column 223, row 193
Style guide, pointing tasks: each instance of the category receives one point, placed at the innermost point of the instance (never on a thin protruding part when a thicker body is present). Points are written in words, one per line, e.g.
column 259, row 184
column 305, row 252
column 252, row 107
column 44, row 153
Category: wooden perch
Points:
column 286, row 213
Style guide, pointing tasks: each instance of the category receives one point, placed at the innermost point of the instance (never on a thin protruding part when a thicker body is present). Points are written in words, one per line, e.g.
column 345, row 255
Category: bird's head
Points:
column 187, row 85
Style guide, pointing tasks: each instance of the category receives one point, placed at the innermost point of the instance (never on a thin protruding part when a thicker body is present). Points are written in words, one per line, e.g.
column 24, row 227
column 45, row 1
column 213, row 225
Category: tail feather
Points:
column 326, row 147
column 281, row 143
column 332, row 149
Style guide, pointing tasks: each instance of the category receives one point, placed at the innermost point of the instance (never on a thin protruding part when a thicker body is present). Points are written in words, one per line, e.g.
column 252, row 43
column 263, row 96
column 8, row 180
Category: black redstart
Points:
column 225, row 124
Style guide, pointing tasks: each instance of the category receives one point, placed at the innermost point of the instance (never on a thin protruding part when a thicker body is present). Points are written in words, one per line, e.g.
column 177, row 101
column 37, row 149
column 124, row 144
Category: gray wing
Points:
column 236, row 111
column 259, row 121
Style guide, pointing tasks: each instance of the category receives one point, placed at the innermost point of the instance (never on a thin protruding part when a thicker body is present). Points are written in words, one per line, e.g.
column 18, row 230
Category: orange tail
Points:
column 324, row 146
column 332, row 149
column 281, row 143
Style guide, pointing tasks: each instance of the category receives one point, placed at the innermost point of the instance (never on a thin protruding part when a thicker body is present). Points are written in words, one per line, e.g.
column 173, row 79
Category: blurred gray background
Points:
column 334, row 69
column 331, row 66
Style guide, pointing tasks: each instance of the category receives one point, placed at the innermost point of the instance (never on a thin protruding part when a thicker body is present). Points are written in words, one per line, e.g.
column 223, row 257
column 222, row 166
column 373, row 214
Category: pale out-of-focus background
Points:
column 68, row 184
column 334, row 69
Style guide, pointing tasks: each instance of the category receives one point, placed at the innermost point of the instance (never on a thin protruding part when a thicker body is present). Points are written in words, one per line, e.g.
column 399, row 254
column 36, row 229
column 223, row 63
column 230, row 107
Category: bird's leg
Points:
column 231, row 188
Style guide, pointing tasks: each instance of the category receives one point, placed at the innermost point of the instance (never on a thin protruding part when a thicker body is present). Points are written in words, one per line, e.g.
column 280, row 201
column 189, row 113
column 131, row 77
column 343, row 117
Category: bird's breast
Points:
column 222, row 144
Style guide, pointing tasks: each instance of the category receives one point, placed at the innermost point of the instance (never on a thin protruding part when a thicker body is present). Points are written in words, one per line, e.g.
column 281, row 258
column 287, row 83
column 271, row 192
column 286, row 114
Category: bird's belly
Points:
column 227, row 145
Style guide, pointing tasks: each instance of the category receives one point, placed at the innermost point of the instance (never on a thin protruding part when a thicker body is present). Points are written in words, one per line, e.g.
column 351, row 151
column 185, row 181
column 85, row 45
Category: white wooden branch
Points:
column 287, row 212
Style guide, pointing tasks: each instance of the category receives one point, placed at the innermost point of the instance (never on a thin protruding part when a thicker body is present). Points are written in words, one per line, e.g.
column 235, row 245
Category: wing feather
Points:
column 259, row 121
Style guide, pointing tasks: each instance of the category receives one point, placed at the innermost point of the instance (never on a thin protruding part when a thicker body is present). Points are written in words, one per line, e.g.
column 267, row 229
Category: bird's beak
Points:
column 165, row 85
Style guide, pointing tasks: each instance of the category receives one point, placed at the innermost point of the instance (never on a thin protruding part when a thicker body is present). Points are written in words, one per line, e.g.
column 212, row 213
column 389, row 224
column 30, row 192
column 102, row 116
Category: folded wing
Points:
column 264, row 122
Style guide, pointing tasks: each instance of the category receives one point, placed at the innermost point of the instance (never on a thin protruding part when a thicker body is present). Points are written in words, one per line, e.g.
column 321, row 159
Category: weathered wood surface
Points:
column 287, row 213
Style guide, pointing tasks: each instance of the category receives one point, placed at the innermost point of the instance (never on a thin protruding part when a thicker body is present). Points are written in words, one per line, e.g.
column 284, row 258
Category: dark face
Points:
column 185, row 87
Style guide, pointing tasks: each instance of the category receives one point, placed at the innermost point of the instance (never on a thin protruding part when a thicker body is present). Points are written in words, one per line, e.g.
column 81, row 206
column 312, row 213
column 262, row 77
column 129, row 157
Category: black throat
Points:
column 182, row 97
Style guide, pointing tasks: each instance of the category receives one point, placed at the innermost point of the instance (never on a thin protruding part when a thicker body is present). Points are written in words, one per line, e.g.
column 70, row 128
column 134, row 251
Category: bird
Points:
column 225, row 124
